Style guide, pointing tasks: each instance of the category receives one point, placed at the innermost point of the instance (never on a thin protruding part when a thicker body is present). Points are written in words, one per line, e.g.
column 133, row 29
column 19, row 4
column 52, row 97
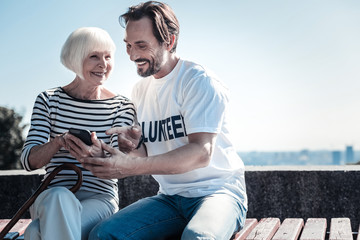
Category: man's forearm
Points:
column 196, row 154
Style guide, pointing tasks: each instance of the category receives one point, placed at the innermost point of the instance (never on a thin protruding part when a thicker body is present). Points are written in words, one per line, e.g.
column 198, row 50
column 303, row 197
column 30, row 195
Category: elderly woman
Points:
column 85, row 104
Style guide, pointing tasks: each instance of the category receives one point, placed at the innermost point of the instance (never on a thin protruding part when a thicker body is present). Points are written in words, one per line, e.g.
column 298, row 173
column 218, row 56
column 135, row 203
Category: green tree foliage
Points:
column 11, row 139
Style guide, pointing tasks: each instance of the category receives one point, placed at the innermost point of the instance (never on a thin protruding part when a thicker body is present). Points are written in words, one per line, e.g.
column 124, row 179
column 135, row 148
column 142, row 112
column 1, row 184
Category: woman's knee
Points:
column 57, row 192
column 33, row 230
column 58, row 197
column 191, row 234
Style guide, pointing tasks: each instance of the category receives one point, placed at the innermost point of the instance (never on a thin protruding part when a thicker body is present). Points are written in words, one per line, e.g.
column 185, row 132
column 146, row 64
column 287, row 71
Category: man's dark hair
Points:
column 162, row 16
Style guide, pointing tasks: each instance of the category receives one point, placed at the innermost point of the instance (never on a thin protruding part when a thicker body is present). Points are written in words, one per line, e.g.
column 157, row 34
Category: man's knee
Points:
column 101, row 232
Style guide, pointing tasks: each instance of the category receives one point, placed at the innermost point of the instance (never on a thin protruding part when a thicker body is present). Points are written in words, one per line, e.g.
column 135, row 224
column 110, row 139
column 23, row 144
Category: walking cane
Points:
column 42, row 187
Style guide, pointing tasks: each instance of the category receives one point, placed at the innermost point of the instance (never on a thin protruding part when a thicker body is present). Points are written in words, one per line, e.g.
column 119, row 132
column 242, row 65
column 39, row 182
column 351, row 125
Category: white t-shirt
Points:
column 189, row 100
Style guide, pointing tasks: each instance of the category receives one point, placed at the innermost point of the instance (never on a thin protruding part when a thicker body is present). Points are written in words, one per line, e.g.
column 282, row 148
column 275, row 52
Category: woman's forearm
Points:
column 41, row 155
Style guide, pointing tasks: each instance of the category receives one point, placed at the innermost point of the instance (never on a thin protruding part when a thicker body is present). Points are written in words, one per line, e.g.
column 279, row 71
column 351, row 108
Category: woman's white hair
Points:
column 81, row 43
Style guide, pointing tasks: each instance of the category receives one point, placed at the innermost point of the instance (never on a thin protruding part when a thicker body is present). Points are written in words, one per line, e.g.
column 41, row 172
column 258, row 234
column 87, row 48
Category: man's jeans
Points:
column 216, row 216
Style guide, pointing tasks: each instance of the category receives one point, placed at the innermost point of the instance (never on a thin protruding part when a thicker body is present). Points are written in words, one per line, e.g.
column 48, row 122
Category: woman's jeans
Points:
column 216, row 216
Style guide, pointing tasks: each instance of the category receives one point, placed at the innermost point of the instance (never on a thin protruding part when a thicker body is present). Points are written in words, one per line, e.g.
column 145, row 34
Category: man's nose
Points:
column 133, row 54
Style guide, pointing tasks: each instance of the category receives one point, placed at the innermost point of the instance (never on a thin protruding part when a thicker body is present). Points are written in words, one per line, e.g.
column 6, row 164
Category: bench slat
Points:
column 314, row 229
column 340, row 228
column 18, row 229
column 250, row 224
column 290, row 229
column 265, row 229
column 3, row 223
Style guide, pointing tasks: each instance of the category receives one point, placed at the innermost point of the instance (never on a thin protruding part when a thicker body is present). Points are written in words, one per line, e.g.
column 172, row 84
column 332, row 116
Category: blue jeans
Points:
column 216, row 216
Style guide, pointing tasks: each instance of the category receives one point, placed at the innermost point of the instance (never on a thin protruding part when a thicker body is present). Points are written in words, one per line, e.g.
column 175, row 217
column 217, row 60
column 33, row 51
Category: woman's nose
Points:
column 102, row 62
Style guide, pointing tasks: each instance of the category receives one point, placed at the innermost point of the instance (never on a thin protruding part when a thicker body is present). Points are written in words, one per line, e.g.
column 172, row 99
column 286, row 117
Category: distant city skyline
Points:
column 303, row 157
column 292, row 67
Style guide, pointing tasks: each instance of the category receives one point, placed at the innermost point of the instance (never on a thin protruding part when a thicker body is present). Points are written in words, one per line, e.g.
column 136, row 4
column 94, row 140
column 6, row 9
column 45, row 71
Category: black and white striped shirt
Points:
column 55, row 112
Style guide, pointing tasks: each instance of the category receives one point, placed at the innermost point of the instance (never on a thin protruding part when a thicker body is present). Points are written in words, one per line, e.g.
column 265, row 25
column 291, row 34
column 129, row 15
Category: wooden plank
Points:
column 290, row 229
column 250, row 224
column 3, row 223
column 340, row 228
column 18, row 229
column 21, row 226
column 265, row 229
column 314, row 229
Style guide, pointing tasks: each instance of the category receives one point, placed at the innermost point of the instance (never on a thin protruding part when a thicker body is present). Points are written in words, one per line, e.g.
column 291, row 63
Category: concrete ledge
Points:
column 304, row 192
column 273, row 191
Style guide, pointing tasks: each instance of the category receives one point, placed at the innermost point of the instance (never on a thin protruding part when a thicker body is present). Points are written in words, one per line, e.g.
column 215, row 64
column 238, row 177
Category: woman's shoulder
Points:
column 50, row 93
column 53, row 91
column 122, row 98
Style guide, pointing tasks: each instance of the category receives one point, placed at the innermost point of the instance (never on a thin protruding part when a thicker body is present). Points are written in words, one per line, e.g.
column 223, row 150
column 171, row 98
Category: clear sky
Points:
column 293, row 67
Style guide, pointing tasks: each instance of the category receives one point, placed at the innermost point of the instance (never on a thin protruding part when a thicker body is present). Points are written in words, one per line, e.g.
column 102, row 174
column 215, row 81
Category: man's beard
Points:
column 154, row 65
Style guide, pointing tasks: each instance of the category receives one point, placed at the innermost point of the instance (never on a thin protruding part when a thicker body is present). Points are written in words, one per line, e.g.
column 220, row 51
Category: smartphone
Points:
column 83, row 135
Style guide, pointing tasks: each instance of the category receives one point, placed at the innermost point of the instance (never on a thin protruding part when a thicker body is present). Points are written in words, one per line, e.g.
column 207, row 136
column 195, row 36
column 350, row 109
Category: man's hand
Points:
column 128, row 137
column 196, row 154
column 116, row 165
column 79, row 149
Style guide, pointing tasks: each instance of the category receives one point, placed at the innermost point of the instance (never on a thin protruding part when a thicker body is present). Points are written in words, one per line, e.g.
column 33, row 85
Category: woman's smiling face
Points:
column 97, row 66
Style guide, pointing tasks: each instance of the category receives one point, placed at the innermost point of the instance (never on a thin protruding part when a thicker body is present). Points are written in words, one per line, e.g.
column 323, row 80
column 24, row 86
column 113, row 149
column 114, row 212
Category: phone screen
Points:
column 84, row 135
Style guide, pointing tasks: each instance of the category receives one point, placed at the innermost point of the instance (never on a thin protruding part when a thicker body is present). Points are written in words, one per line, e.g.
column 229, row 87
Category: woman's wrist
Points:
column 59, row 141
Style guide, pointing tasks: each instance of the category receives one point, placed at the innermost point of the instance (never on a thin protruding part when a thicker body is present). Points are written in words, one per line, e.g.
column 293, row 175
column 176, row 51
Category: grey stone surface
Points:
column 134, row 188
column 302, row 192
column 15, row 190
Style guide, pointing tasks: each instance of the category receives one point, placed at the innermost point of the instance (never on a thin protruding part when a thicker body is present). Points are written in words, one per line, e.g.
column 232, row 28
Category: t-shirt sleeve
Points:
column 204, row 104
column 39, row 132
column 125, row 116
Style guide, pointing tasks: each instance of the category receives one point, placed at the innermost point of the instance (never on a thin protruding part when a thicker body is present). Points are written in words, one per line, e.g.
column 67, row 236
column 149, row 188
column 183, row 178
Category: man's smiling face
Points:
column 143, row 47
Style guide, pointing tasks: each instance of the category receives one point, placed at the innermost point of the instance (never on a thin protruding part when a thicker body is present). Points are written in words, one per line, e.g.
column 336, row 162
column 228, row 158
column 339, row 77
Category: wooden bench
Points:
column 265, row 229
column 17, row 231
column 294, row 228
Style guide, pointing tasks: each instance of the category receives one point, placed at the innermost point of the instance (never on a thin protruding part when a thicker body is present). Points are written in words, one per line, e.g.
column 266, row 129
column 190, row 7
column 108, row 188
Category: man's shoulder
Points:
column 197, row 69
column 203, row 77
column 192, row 66
column 193, row 72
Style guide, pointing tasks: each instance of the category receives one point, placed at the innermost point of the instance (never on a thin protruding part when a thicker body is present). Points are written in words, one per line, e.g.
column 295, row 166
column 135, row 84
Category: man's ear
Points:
column 172, row 42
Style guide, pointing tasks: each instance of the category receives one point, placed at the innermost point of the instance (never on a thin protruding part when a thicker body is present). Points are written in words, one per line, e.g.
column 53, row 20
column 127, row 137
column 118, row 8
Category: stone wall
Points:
column 283, row 192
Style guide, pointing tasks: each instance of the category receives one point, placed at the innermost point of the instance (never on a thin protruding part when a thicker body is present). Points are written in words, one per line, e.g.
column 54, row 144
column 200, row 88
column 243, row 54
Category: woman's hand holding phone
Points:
column 83, row 135
column 81, row 143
